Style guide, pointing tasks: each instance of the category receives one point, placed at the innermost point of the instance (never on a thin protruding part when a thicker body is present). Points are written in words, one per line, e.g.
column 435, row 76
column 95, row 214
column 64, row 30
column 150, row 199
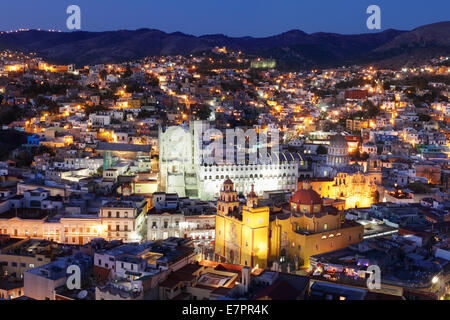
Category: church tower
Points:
column 252, row 198
column 227, row 202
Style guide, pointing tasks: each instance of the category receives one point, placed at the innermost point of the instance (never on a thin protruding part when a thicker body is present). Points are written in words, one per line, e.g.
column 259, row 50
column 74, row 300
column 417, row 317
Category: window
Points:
column 325, row 226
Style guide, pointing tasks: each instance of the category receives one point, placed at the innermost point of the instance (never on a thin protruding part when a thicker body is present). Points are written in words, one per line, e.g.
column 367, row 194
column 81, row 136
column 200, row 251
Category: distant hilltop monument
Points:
column 263, row 64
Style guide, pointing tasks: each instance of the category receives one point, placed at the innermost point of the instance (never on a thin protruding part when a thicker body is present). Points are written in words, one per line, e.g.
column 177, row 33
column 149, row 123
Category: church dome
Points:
column 338, row 141
column 306, row 197
column 228, row 181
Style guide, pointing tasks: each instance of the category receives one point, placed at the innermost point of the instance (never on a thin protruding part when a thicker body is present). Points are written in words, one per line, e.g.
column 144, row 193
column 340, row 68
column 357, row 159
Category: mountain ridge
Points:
column 293, row 49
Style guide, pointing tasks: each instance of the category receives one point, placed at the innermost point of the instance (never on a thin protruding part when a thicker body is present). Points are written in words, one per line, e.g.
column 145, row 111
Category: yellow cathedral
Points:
column 252, row 235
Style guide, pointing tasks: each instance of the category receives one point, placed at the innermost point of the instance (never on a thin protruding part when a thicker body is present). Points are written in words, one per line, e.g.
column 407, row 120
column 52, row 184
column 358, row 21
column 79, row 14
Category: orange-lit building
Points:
column 254, row 236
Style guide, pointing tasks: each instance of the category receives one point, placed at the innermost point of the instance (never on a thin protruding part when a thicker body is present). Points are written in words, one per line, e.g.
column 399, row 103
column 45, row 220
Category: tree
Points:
column 424, row 117
column 127, row 72
column 24, row 159
column 418, row 187
column 153, row 81
column 103, row 74
column 203, row 112
column 144, row 114
column 321, row 150
column 371, row 109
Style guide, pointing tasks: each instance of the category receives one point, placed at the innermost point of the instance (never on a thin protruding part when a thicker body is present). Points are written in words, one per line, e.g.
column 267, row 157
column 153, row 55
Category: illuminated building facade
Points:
column 358, row 188
column 123, row 220
column 183, row 171
column 355, row 183
column 120, row 220
column 252, row 235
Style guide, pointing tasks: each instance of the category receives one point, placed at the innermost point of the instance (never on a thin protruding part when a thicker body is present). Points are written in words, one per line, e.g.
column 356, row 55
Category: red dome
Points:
column 228, row 181
column 307, row 197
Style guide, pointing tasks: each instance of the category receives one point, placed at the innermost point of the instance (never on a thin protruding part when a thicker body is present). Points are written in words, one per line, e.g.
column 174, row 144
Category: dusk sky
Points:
column 231, row 17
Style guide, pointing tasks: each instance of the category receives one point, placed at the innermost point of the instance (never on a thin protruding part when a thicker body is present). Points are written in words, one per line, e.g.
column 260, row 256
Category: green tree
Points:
column 203, row 112
column 321, row 150
column 127, row 72
column 103, row 74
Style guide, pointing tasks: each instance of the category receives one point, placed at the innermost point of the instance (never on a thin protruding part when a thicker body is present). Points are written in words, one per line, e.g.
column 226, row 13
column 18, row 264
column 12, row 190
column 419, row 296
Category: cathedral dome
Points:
column 306, row 197
column 228, row 181
column 338, row 141
column 337, row 155
column 228, row 185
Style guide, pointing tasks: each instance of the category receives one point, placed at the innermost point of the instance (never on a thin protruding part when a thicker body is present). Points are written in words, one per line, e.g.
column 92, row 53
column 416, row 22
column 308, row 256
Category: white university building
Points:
column 184, row 170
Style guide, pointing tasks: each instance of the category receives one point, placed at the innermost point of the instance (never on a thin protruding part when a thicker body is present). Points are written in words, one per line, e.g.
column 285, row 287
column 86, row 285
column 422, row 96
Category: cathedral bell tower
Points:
column 252, row 198
column 227, row 202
